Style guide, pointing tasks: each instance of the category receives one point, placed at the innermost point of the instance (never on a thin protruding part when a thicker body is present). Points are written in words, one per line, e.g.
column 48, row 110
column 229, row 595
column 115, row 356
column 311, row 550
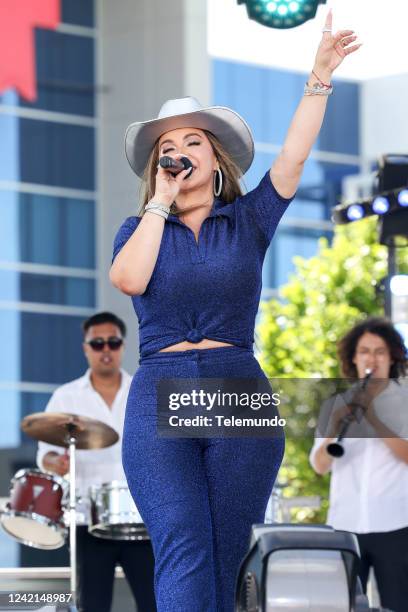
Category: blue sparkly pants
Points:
column 198, row 497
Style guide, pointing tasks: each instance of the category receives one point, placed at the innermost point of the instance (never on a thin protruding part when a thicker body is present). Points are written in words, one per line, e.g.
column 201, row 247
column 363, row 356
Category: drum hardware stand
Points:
column 71, row 439
column 73, row 431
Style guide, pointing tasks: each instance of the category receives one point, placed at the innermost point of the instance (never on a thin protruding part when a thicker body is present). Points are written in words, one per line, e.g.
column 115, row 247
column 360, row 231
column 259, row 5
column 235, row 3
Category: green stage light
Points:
column 282, row 14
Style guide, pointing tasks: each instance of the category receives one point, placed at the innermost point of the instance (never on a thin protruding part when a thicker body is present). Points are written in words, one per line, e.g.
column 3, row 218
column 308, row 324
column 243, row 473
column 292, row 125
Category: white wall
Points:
column 384, row 117
column 380, row 25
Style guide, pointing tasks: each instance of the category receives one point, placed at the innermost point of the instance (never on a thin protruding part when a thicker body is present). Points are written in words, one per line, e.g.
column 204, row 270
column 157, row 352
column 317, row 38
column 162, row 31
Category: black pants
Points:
column 97, row 559
column 387, row 554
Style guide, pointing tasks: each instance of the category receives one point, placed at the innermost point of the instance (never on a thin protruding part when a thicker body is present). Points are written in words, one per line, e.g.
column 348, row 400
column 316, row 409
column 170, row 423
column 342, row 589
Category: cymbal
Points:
column 55, row 427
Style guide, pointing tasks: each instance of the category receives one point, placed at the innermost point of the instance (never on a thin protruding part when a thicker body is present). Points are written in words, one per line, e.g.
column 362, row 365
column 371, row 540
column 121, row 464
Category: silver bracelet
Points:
column 158, row 205
column 156, row 211
column 318, row 90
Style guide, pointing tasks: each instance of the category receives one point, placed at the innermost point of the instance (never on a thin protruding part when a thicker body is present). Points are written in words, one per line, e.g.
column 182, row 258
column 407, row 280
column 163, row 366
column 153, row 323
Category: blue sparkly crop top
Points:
column 208, row 288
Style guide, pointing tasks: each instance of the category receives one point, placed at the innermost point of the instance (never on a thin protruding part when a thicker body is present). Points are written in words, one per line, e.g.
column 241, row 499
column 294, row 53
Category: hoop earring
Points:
column 217, row 190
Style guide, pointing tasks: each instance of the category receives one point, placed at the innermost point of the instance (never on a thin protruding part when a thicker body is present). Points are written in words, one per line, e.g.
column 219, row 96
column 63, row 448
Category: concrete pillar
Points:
column 148, row 51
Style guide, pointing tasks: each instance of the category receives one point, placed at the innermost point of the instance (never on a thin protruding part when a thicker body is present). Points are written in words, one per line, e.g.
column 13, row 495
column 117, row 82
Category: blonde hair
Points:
column 231, row 187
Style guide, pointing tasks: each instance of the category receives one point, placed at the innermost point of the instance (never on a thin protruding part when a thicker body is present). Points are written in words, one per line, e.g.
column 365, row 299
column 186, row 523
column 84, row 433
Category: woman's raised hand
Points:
column 167, row 185
column 334, row 48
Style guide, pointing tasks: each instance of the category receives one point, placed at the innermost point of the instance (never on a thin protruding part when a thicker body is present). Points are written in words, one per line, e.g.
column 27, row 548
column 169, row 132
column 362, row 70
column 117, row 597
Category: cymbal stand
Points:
column 71, row 428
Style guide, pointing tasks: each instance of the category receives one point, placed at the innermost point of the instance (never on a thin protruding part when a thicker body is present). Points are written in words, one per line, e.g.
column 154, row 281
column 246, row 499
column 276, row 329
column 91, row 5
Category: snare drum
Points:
column 114, row 515
column 34, row 513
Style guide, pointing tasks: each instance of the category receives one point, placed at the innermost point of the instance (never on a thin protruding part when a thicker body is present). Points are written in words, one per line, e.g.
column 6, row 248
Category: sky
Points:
column 381, row 25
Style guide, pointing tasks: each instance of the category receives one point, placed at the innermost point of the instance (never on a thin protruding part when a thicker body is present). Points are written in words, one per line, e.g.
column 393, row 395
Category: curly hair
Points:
column 378, row 326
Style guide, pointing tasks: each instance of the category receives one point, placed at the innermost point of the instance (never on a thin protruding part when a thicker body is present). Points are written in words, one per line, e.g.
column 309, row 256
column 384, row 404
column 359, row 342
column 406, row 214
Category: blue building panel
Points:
column 290, row 242
column 320, row 186
column 57, row 154
column 65, row 73
column 78, row 12
column 46, row 289
column 340, row 132
column 255, row 93
column 68, row 224
column 267, row 99
column 51, row 348
column 9, row 147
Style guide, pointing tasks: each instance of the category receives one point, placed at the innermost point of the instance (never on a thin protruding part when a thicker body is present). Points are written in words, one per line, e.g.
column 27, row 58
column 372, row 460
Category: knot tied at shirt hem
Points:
column 194, row 336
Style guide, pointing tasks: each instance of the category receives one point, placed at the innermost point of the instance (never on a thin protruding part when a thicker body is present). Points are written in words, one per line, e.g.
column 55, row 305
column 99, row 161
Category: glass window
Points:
column 46, row 289
column 47, row 230
column 16, row 405
column 42, row 348
column 9, row 554
column 10, row 421
column 319, row 190
column 65, row 73
column 306, row 209
column 321, row 172
column 288, row 243
column 79, row 12
column 56, row 154
column 9, row 147
column 267, row 99
column 252, row 92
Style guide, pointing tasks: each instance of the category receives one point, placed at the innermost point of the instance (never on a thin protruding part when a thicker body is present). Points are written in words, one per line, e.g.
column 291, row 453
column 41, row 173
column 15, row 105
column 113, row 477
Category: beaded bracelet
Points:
column 318, row 90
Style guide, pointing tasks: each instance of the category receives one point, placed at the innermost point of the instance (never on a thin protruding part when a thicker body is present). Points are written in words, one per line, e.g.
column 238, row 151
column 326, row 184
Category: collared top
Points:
column 94, row 467
column 208, row 288
column 369, row 484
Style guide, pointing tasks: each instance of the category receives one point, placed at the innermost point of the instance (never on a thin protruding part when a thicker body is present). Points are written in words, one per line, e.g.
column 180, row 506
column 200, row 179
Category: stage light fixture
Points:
column 380, row 205
column 355, row 212
column 281, row 14
column 403, row 198
column 388, row 203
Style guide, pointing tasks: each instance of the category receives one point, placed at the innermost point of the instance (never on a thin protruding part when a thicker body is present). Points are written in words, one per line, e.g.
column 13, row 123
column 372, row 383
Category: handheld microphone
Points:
column 176, row 165
column 368, row 374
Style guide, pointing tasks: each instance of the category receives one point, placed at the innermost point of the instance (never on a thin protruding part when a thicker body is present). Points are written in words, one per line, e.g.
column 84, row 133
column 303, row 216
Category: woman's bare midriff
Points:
column 187, row 346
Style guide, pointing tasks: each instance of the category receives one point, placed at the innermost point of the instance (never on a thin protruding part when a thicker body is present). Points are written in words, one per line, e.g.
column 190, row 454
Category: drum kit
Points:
column 42, row 506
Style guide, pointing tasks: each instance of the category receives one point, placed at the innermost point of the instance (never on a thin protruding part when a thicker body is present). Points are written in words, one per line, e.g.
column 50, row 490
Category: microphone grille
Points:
column 186, row 162
column 166, row 161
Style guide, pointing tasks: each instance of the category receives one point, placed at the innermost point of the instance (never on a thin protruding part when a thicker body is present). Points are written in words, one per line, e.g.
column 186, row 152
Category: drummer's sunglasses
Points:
column 98, row 344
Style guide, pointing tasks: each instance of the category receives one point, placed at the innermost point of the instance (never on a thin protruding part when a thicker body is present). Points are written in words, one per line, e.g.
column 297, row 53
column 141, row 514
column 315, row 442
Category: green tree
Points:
column 298, row 334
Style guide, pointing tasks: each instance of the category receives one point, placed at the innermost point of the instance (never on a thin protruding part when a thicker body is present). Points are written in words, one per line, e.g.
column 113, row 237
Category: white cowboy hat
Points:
column 230, row 128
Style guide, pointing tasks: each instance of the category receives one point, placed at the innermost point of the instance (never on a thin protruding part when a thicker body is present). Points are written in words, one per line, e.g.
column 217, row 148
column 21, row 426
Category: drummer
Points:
column 101, row 394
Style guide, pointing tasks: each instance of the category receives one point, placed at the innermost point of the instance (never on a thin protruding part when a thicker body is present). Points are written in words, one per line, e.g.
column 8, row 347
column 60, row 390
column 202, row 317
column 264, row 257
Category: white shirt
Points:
column 93, row 467
column 369, row 484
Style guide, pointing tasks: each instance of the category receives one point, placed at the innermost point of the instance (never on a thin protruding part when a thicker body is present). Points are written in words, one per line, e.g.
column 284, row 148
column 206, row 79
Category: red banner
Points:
column 18, row 18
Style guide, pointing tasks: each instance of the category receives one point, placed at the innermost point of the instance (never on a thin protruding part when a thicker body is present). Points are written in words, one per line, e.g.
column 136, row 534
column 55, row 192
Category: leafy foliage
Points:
column 298, row 335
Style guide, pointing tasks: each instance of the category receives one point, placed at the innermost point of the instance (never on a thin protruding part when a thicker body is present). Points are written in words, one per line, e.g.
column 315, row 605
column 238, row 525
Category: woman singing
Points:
column 192, row 262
